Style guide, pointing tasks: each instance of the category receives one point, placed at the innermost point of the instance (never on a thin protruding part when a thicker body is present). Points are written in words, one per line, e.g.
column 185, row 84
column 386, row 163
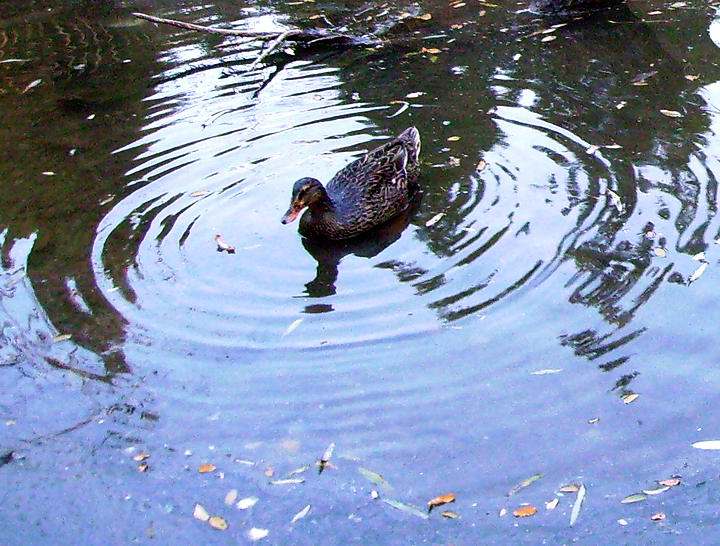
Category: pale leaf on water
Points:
column 615, row 199
column 293, row 326
column 660, row 252
column 403, row 106
column 503, row 512
column 246, row 503
column 424, row 17
column 297, row 471
column 61, row 337
column 592, row 149
column 375, row 478
column 301, row 514
column 659, row 516
column 630, row 398
column 698, row 272
column 612, row 146
column 622, row 522
column 325, row 459
column 707, row 444
column 670, row 482
column 699, row 257
column 407, row 508
column 231, row 497
column 551, row 505
column 216, row 522
column 255, row 534
column 546, row 371
column 374, row 495
column 288, row 481
column 453, row 138
column 691, row 77
column 200, row 513
column 671, row 113
column 141, row 456
column 414, row 95
column 15, row 61
column 31, row 85
column 481, row 166
column 549, row 38
column 578, row 504
column 593, row 421
column 569, row 488
column 637, row 497
column 201, row 193
column 434, row 220
column 449, row 514
column 523, row 484
column 656, row 491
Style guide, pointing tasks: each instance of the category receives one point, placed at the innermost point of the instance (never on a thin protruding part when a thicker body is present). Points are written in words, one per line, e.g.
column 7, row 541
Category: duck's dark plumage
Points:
column 366, row 193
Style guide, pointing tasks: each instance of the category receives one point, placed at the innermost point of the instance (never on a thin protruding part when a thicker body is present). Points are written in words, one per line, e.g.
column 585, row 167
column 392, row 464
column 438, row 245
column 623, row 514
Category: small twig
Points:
column 271, row 48
column 200, row 28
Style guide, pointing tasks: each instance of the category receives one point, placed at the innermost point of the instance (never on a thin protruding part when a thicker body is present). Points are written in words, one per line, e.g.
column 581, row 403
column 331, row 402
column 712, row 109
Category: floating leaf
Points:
column 523, row 484
column 298, row 470
column 255, row 534
column 201, row 193
column 549, row 38
column 503, row 512
column 660, row 252
column 375, row 478
column 301, row 514
column 481, row 166
column 707, row 444
column 269, row 472
column 656, row 491
column 698, row 272
column 325, row 459
column 143, row 467
column 546, row 371
column 424, row 17
column 612, row 146
column 200, row 513
column 435, row 219
column 414, row 95
column 216, row 522
column 431, row 50
column 569, row 488
column 293, row 326
column 207, row 467
column 288, row 481
column 247, row 502
column 525, row 511
column 615, row 199
column 592, row 149
column 223, row 245
column 31, row 85
column 551, row 505
column 578, row 504
column 374, row 495
column 141, row 456
column 449, row 514
column 637, row 497
column 699, row 257
column 61, row 337
column 691, row 78
column 670, row 482
column 630, row 398
column 231, row 497
column 660, row 516
column 440, row 500
column 593, row 421
column 671, row 113
column 454, row 138
column 407, row 508
column 622, row 522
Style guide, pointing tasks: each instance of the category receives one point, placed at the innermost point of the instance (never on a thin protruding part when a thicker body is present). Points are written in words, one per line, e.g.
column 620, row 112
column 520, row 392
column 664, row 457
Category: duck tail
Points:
column 411, row 137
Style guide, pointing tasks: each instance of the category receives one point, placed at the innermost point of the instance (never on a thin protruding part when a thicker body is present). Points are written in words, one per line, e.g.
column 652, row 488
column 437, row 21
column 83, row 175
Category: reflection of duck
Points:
column 328, row 254
column 366, row 193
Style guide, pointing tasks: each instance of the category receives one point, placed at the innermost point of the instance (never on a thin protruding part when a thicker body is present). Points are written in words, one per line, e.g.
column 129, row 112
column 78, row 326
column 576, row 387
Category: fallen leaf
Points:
column 707, row 444
column 660, row 252
column 431, row 50
column 269, row 472
column 293, row 326
column 375, row 478
column 660, row 516
column 201, row 193
column 551, row 505
column 424, row 17
column 414, row 95
column 670, row 482
column 700, row 257
column 592, row 149
column 578, row 504
column 216, row 522
column 691, row 78
column 440, row 500
column 434, row 220
column 630, row 398
column 449, row 514
column 207, row 467
column 48, row 173
column 31, row 85
column 325, row 459
column 301, row 514
column 454, row 138
column 143, row 467
column 569, row 488
column 612, row 146
column 503, row 512
column 593, row 421
column 523, row 484
column 546, row 371
column 374, row 495
column 288, row 481
column 231, row 497
column 549, row 38
column 200, row 513
column 622, row 522
column 671, row 113
column 223, row 245
column 141, row 456
column 637, row 497
column 698, row 272
column 298, row 470
column 656, row 491
column 525, row 511
column 61, row 337
column 481, row 166
column 255, row 534
column 247, row 502
column 615, row 199
column 407, row 508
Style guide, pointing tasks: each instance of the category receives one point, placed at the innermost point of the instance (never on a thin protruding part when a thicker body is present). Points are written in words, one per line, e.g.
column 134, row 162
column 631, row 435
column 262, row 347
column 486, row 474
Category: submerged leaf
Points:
column 637, row 497
column 407, row 508
column 440, row 500
column 578, row 504
column 525, row 511
column 375, row 478
column 301, row 514
column 523, row 484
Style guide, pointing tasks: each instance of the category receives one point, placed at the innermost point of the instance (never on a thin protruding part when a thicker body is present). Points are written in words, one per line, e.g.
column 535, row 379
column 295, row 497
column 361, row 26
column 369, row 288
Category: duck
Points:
column 363, row 195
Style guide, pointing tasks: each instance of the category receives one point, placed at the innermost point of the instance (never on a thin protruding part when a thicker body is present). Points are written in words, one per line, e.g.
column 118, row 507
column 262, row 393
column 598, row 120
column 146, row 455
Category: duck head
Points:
column 306, row 192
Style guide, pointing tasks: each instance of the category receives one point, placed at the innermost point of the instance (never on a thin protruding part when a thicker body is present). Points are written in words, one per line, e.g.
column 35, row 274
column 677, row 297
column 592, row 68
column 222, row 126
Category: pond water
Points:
column 564, row 257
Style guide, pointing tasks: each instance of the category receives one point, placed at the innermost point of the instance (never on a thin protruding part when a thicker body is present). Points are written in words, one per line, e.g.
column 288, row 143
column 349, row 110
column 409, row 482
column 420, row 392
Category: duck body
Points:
column 366, row 193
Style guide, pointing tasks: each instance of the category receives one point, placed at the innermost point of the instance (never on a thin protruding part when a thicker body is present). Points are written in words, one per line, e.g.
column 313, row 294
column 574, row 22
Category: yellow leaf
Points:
column 205, row 468
column 431, row 50
column 425, row 17
column 440, row 500
column 525, row 512
column 454, row 138
column 216, row 522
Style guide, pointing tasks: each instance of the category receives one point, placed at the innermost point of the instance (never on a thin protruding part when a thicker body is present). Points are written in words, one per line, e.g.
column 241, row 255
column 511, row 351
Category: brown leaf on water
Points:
column 231, row 497
column 660, row 516
column 216, row 522
column 630, row 398
column 141, row 456
column 449, row 514
column 525, row 511
column 440, row 500
column 205, row 468
column 569, row 488
column 670, row 482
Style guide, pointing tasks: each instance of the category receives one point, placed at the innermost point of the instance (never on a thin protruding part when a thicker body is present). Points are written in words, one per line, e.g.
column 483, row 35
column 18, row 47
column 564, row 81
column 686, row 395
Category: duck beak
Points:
column 291, row 213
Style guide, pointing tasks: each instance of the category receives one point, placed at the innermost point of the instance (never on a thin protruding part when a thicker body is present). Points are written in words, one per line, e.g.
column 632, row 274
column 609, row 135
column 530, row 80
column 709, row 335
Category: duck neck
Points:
column 322, row 205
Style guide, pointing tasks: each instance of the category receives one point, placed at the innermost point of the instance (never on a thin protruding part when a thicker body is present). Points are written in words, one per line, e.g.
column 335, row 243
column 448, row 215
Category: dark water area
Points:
column 564, row 256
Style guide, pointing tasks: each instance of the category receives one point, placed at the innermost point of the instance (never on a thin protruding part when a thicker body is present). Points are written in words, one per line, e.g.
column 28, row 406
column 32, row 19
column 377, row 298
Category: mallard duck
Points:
column 364, row 194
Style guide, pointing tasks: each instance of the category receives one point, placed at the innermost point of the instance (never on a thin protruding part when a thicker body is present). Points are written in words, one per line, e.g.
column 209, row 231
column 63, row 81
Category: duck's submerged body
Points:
column 366, row 193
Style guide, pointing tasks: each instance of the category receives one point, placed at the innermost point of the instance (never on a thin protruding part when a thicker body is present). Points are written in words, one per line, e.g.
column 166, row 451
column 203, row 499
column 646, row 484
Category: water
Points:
column 573, row 213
